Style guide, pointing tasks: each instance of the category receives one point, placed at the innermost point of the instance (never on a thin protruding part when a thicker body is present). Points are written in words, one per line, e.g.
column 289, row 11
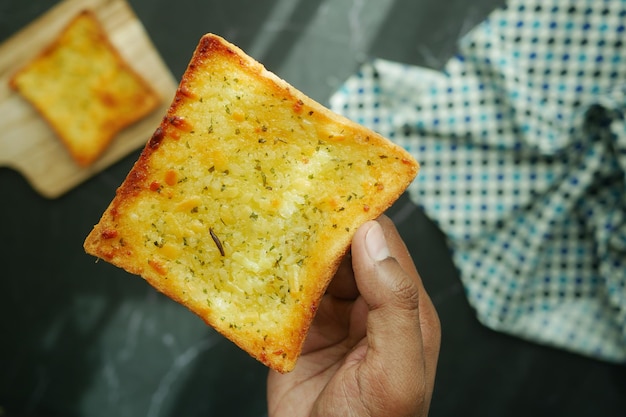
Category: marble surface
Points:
column 81, row 338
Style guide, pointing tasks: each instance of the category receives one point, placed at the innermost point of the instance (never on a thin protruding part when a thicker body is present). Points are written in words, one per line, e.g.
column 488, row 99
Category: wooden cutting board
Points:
column 27, row 143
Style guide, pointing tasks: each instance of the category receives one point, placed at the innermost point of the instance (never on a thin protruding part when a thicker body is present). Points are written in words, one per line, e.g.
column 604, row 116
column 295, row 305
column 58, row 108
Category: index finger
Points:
column 343, row 285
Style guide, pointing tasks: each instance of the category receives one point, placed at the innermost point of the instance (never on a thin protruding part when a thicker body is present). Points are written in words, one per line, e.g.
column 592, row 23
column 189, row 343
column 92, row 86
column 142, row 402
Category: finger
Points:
column 392, row 290
column 396, row 245
column 343, row 285
column 429, row 320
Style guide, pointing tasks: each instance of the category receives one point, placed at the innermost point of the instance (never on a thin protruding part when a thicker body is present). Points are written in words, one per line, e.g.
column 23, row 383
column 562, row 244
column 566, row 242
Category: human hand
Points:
column 372, row 349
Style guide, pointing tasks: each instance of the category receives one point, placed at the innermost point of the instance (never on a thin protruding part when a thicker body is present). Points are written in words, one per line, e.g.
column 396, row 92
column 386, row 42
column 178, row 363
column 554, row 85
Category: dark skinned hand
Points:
column 372, row 349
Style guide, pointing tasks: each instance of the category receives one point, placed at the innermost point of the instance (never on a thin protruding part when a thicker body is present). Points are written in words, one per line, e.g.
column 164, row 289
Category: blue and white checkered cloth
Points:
column 522, row 142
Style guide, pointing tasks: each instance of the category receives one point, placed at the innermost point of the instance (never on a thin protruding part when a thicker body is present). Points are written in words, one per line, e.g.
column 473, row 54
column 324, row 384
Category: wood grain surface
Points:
column 27, row 143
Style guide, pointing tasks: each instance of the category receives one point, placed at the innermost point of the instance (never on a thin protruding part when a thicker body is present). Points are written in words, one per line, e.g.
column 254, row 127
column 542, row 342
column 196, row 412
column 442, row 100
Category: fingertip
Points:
column 375, row 242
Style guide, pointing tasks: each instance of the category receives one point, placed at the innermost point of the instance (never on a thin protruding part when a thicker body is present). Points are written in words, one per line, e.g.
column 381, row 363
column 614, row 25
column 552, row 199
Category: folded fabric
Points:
column 522, row 141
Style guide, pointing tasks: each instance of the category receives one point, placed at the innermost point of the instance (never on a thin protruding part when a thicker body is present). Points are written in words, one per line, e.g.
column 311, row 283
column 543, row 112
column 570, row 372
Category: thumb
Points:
column 395, row 353
column 392, row 295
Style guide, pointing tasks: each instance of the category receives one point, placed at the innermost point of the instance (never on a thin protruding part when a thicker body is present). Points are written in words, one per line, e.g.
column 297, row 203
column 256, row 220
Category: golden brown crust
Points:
column 84, row 89
column 245, row 200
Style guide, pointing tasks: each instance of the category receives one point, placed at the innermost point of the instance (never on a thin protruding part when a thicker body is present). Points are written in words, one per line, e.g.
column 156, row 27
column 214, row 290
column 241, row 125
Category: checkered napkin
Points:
column 522, row 141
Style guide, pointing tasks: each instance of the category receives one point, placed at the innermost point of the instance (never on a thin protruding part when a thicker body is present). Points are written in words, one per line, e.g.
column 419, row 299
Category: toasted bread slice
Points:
column 84, row 89
column 246, row 198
